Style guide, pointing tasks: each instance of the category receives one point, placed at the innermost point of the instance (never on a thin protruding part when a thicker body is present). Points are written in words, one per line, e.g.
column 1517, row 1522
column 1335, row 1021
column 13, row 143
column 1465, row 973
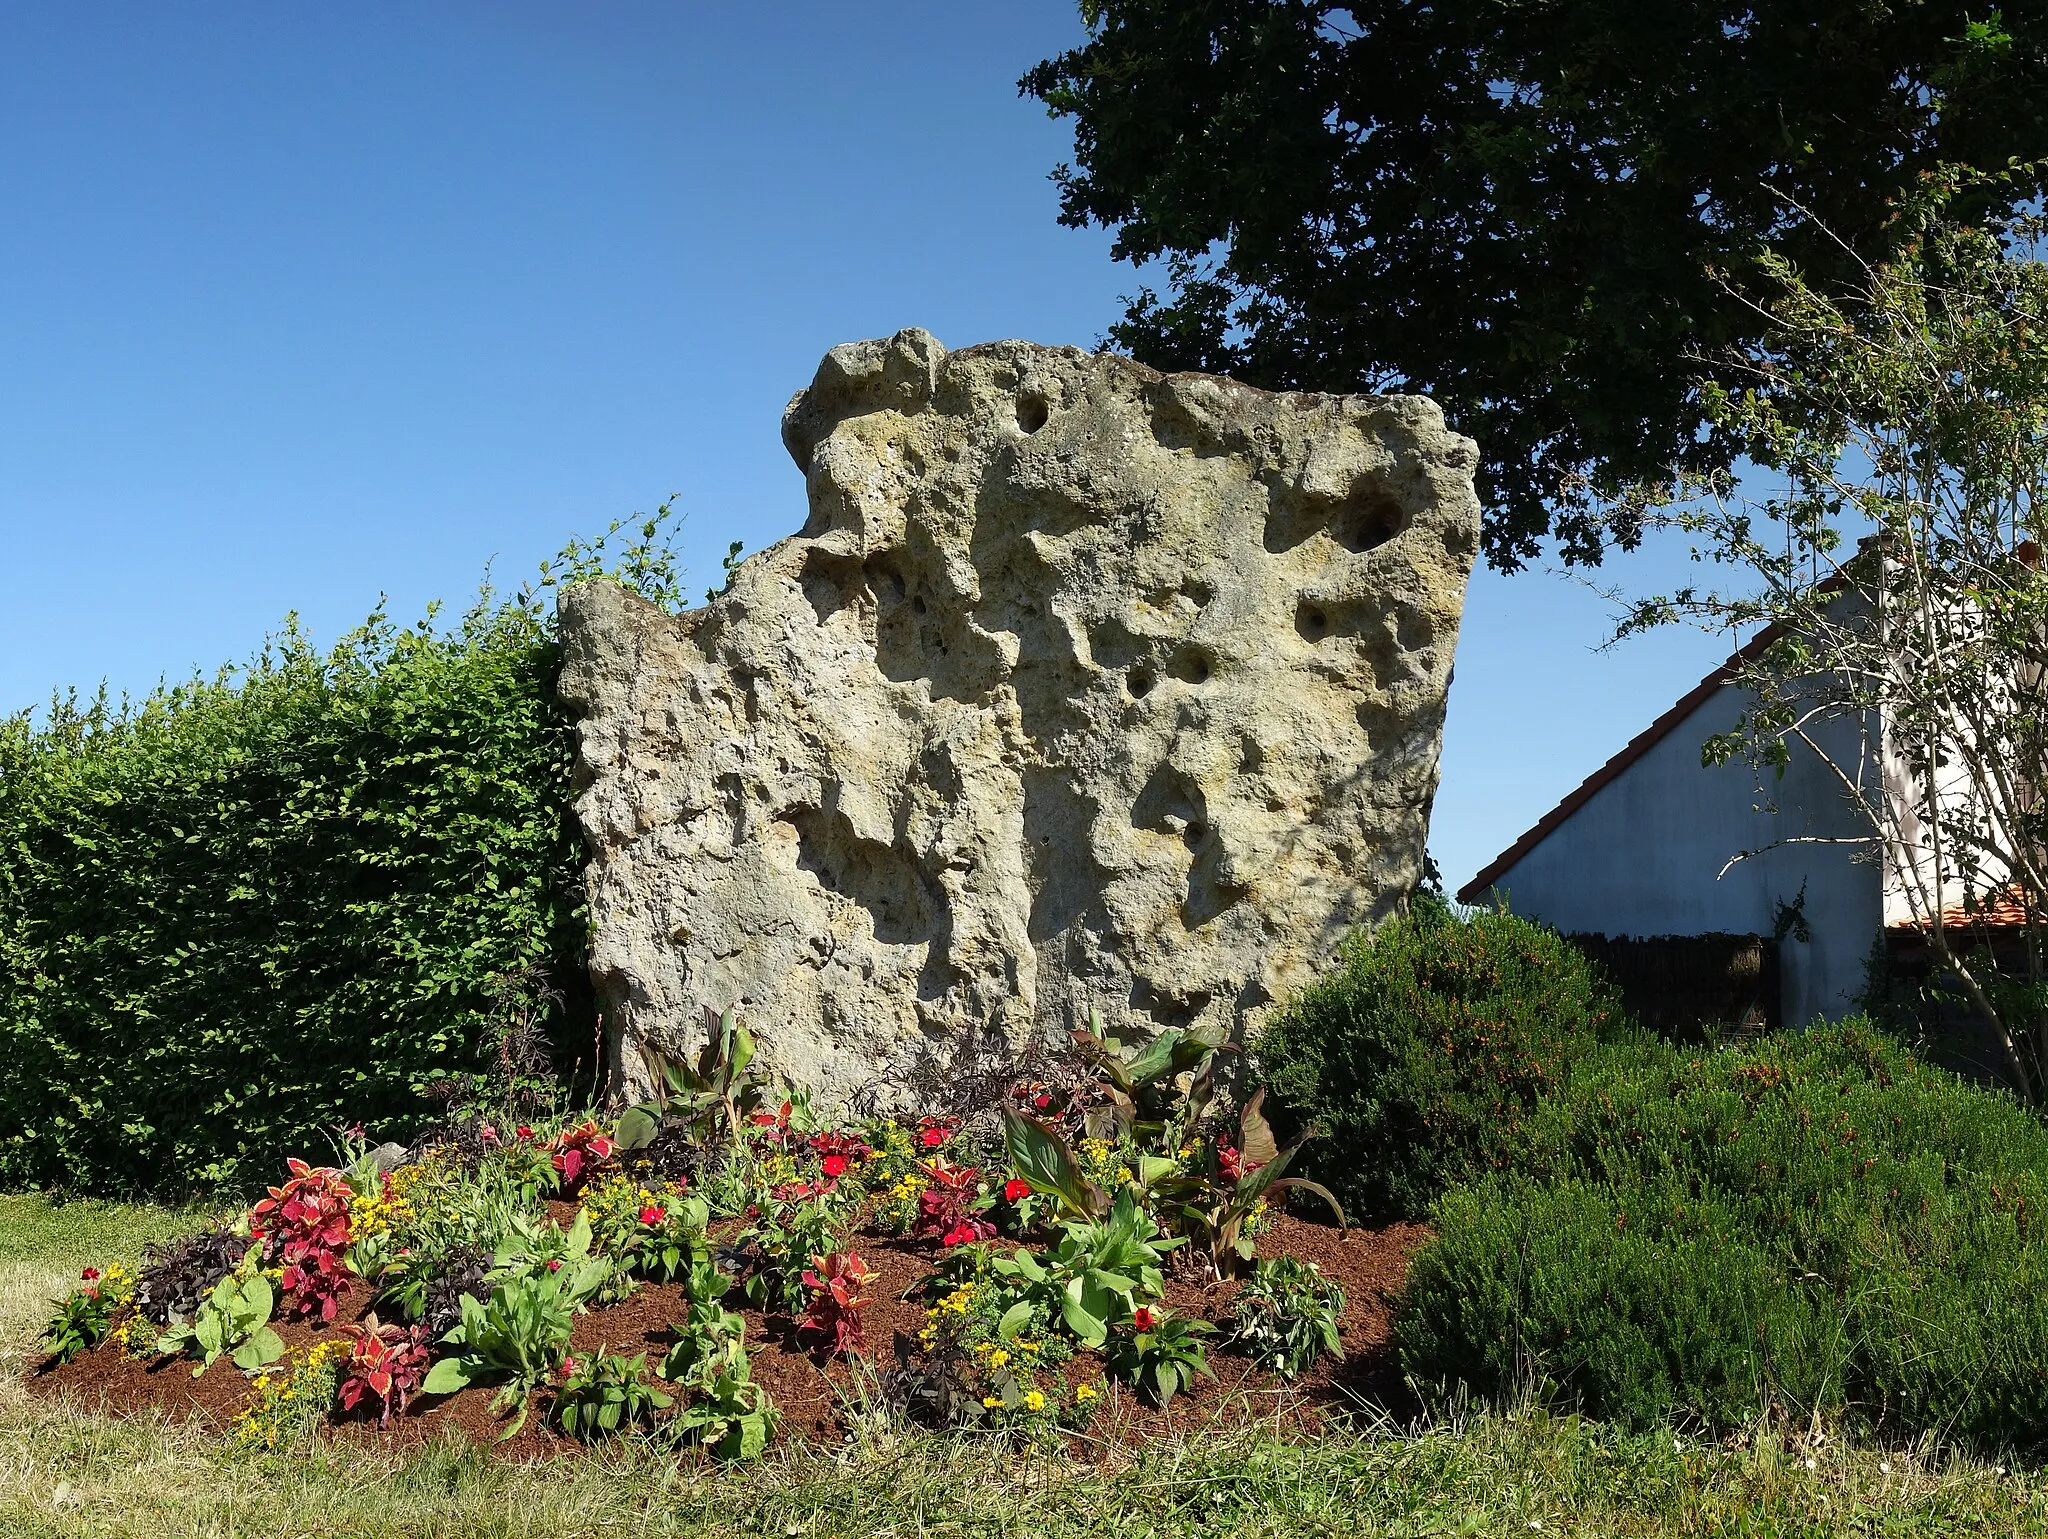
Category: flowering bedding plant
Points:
column 481, row 1249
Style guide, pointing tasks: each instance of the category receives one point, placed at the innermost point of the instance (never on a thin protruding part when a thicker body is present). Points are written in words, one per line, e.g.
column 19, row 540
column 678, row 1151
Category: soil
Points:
column 811, row 1389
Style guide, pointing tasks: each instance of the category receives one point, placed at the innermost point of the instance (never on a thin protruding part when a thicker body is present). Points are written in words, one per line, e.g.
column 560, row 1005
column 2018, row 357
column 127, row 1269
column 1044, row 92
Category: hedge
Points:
column 258, row 906
column 1814, row 1223
column 1423, row 1052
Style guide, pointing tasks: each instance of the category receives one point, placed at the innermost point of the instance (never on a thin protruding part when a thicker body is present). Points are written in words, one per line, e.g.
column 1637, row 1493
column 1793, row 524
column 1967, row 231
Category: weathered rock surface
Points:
column 1082, row 686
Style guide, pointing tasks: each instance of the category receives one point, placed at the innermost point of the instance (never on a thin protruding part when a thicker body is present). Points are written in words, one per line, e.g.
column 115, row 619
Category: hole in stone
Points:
column 1139, row 683
column 1312, row 621
column 1367, row 521
column 1191, row 668
column 1032, row 412
column 917, row 603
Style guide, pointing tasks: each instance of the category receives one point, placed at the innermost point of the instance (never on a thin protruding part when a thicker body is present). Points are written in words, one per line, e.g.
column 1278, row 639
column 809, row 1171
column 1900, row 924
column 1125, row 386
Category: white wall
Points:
column 1640, row 859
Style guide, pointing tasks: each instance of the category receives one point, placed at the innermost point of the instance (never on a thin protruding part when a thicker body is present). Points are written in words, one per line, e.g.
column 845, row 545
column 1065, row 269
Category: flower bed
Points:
column 1100, row 1255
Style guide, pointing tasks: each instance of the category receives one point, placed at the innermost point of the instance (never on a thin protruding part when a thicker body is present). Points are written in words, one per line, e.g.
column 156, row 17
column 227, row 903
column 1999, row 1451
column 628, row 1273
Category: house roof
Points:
column 1997, row 911
column 1476, row 890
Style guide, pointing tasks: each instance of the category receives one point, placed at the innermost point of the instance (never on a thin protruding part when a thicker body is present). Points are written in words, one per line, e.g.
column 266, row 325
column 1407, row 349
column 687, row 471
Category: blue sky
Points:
column 300, row 305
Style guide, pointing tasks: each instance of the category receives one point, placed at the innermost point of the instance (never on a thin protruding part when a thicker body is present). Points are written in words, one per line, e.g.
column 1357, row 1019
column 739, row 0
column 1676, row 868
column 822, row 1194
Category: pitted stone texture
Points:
column 1082, row 686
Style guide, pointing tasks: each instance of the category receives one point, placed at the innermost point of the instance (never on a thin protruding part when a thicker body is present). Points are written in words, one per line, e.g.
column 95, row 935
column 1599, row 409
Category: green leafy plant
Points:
column 1422, row 1055
column 1814, row 1222
column 1287, row 1315
column 1095, row 1270
column 722, row 1408
column 711, row 1099
column 782, row 1242
column 707, row 1340
column 1141, row 1083
column 600, row 1394
column 1161, row 1353
column 86, row 1315
column 1216, row 1201
column 727, row 1413
column 518, row 1336
column 233, row 1320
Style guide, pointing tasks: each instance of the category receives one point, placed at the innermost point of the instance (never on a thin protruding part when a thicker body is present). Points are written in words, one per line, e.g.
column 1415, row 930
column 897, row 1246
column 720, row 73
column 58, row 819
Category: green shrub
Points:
column 257, row 906
column 1423, row 1053
column 1812, row 1223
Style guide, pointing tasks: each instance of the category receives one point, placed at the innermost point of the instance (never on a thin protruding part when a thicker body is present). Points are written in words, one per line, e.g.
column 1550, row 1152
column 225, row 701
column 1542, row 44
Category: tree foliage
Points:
column 1903, row 422
column 1519, row 207
column 255, row 906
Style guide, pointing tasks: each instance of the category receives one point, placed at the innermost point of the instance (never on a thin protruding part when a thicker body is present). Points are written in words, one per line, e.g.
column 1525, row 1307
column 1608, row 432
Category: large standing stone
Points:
column 1083, row 685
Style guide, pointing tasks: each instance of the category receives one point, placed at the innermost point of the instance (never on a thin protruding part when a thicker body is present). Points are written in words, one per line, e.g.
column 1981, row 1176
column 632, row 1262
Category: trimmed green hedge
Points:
column 1423, row 1053
column 255, row 907
column 1817, row 1222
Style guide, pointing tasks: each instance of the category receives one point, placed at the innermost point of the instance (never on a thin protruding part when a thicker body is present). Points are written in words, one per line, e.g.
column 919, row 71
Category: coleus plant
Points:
column 387, row 1361
column 578, row 1149
column 837, row 1285
column 304, row 1224
column 950, row 1210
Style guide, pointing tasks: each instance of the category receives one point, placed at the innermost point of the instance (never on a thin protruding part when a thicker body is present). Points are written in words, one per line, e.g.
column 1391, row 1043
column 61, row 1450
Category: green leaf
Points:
column 1042, row 1158
column 1155, row 1059
column 263, row 1347
column 636, row 1127
column 449, row 1375
column 1088, row 1329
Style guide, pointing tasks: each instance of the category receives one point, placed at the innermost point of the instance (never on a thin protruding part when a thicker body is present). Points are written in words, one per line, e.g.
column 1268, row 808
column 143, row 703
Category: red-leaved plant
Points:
column 836, row 1285
column 304, row 1224
column 950, row 1212
column 386, row 1361
column 578, row 1149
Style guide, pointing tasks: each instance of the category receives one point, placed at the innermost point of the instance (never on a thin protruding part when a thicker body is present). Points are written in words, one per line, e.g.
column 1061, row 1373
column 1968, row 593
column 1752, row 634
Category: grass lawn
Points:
column 75, row 1472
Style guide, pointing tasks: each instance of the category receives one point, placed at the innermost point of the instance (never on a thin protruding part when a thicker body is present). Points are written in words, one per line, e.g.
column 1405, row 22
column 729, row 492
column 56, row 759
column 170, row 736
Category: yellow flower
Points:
column 1085, row 1393
column 990, row 1402
column 1034, row 1401
column 997, row 1359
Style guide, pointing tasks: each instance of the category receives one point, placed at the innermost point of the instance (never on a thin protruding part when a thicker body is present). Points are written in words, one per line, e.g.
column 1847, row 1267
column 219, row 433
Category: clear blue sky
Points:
column 303, row 304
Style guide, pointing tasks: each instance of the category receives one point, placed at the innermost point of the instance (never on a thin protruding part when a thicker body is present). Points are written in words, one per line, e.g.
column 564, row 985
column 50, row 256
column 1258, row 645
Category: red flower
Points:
column 523, row 1131
column 1234, row 1165
column 931, row 1138
column 568, row 1367
column 1144, row 1319
column 651, row 1215
column 1016, row 1189
column 554, row 1266
column 489, row 1133
column 835, row 1165
column 90, row 1274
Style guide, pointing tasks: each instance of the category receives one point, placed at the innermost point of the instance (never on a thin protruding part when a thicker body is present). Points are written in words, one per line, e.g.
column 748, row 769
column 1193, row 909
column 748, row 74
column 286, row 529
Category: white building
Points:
column 1643, row 849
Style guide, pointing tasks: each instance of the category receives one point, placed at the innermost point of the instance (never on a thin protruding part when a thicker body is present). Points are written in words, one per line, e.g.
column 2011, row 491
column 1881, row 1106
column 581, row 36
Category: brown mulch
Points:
column 811, row 1390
